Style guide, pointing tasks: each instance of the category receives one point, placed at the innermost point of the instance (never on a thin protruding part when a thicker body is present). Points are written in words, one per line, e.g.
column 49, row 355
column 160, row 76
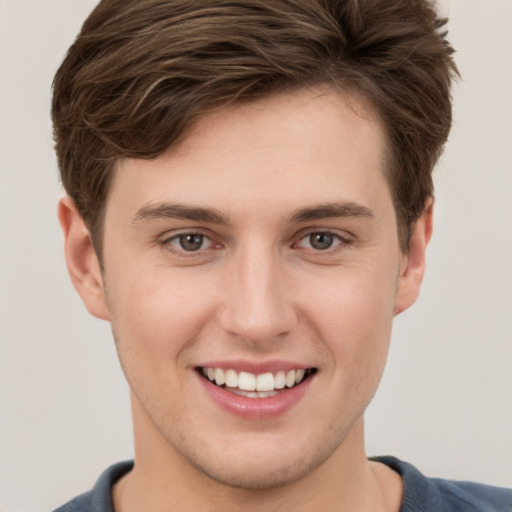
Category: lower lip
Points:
column 256, row 408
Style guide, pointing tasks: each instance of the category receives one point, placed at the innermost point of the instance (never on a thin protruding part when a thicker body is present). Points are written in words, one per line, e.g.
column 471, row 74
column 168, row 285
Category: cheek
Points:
column 353, row 314
column 156, row 316
column 155, row 321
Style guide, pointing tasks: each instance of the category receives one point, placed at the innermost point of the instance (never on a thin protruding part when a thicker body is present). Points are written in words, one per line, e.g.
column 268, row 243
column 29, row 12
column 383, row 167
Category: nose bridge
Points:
column 257, row 306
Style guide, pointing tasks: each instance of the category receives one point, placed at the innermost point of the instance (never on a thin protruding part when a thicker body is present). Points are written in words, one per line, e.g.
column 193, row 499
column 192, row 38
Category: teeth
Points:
column 265, row 382
column 251, row 385
column 247, row 381
column 231, row 379
column 253, row 394
column 266, row 394
column 219, row 377
column 280, row 380
column 290, row 379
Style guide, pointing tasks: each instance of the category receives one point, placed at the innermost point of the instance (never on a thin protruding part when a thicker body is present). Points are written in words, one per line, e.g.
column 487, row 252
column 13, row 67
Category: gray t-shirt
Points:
column 420, row 493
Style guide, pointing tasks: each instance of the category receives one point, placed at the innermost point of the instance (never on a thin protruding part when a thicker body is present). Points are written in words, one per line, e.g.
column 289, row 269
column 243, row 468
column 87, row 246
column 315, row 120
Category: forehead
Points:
column 303, row 146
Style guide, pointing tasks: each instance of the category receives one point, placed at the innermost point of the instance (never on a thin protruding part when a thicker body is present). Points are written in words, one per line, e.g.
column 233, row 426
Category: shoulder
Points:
column 78, row 504
column 475, row 497
column 422, row 493
column 99, row 498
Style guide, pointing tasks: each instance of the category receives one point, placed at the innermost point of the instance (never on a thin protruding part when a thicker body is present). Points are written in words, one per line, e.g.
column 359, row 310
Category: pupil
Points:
column 191, row 242
column 321, row 241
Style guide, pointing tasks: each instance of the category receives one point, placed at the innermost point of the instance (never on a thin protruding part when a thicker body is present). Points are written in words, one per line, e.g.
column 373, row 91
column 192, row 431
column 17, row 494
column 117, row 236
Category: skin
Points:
column 257, row 290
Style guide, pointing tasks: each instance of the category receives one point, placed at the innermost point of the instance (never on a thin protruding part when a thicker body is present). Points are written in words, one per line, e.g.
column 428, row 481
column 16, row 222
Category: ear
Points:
column 413, row 262
column 82, row 262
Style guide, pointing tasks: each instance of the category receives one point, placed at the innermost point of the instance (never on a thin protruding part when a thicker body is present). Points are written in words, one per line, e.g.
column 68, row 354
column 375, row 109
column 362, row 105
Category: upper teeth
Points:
column 251, row 382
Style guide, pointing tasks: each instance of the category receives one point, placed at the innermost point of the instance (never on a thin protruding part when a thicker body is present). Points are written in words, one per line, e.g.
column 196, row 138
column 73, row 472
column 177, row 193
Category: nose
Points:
column 258, row 306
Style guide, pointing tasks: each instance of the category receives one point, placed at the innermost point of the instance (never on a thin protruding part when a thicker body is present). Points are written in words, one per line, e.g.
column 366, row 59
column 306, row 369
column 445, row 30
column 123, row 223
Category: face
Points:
column 251, row 275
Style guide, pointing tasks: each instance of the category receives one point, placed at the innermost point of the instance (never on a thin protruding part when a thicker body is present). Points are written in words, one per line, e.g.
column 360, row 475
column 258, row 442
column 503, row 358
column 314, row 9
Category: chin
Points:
column 262, row 467
column 259, row 476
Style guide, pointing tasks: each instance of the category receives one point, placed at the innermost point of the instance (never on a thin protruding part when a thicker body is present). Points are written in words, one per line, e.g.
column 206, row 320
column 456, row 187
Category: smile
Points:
column 263, row 385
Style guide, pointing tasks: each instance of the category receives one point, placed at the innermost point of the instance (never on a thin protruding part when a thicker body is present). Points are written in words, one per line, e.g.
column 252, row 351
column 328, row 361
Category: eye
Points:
column 320, row 241
column 190, row 242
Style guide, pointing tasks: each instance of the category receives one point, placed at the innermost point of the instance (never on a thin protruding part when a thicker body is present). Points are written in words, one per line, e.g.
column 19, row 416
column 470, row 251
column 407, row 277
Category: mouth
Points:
column 250, row 385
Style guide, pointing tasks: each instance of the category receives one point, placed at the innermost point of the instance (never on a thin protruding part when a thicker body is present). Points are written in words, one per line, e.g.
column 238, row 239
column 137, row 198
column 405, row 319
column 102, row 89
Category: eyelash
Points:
column 338, row 243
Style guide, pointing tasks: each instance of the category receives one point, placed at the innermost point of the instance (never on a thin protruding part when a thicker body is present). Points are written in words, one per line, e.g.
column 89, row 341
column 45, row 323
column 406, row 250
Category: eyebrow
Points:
column 161, row 211
column 331, row 210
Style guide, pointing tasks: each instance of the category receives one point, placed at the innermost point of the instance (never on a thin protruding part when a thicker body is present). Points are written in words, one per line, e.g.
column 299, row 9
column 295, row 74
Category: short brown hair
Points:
column 141, row 71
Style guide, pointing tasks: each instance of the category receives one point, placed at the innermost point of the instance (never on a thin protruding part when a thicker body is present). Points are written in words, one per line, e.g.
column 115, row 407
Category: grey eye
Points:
column 321, row 241
column 191, row 242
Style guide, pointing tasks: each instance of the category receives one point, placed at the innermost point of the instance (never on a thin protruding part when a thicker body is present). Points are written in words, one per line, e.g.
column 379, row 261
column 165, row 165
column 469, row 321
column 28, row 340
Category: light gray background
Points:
column 444, row 403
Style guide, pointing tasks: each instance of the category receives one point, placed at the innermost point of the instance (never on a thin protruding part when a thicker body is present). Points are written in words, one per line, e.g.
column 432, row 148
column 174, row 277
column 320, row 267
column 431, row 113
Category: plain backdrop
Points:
column 445, row 400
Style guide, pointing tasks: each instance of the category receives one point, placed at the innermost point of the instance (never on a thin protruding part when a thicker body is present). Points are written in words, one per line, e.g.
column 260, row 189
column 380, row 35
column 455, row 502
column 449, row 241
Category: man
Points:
column 249, row 204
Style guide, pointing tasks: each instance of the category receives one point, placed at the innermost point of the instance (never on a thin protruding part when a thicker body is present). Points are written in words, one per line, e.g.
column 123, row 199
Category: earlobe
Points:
column 413, row 265
column 82, row 262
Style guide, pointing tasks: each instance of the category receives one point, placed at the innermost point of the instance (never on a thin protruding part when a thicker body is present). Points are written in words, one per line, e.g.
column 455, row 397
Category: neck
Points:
column 162, row 479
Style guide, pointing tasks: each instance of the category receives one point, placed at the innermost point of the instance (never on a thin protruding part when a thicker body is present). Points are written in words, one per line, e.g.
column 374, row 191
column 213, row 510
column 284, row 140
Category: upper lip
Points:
column 256, row 367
